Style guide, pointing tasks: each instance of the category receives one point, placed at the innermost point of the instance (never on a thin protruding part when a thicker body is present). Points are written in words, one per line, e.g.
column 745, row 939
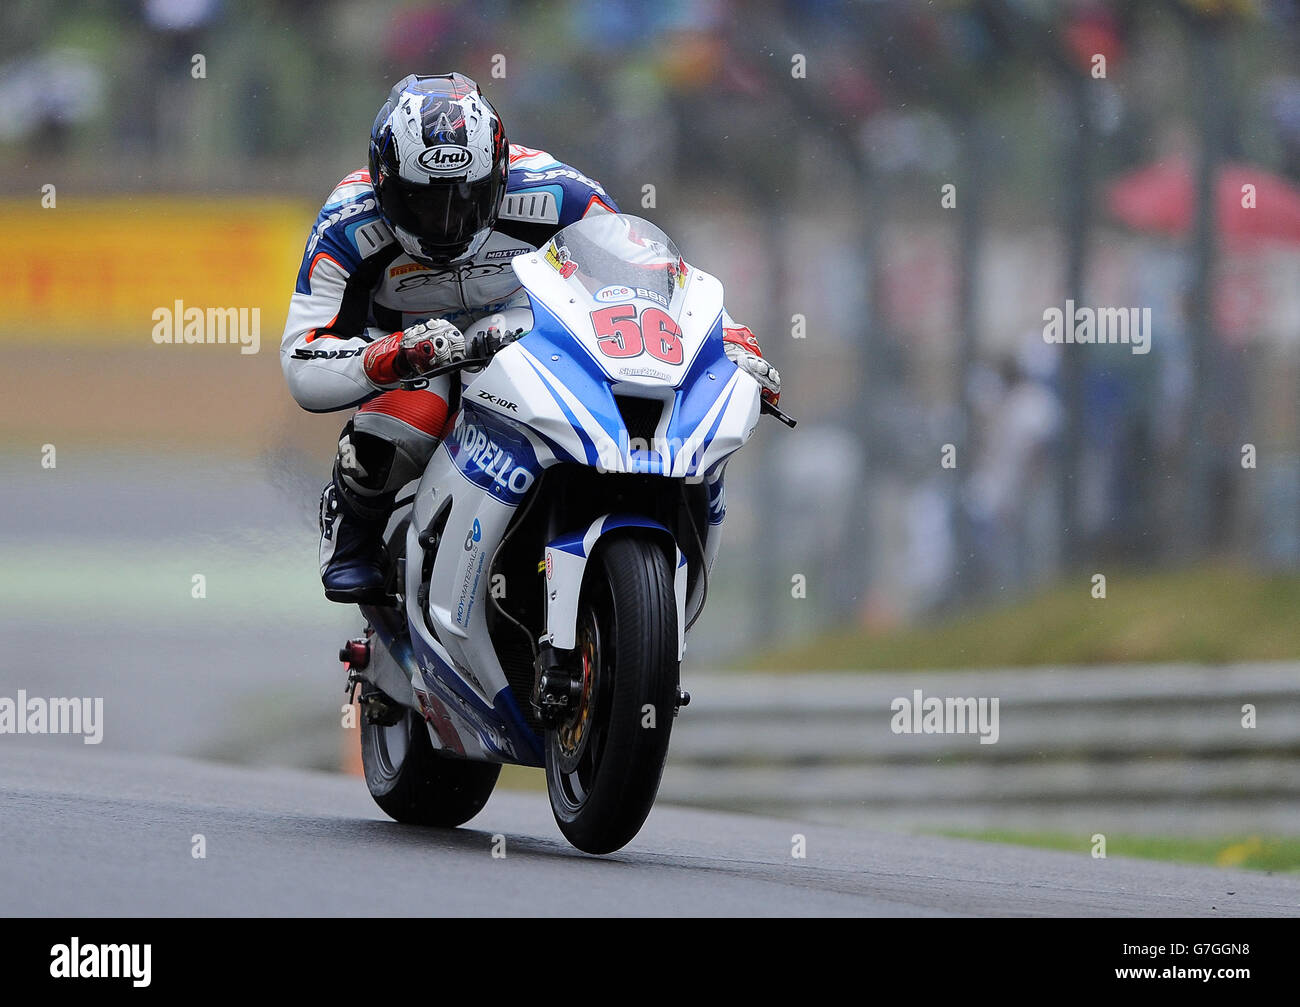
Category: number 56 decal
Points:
column 620, row 334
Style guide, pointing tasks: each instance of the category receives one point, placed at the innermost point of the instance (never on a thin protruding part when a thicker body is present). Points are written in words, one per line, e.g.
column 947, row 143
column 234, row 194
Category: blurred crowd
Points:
column 800, row 150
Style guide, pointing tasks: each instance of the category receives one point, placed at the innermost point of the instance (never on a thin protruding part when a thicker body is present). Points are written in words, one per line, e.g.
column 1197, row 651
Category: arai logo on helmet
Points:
column 446, row 159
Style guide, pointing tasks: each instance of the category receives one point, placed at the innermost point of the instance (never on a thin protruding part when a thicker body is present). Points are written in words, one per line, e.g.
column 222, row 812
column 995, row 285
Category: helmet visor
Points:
column 445, row 217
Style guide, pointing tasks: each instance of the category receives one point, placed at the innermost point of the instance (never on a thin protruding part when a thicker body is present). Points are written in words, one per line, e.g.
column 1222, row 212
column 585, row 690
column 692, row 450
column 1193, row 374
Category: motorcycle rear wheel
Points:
column 414, row 784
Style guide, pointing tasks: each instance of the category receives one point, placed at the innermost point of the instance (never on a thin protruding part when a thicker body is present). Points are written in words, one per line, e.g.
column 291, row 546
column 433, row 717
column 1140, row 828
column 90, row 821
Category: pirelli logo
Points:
column 410, row 267
column 536, row 206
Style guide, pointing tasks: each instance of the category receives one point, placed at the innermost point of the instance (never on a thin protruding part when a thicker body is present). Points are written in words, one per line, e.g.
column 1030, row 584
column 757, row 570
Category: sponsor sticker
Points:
column 506, row 253
column 445, row 159
column 619, row 292
column 558, row 257
column 644, row 372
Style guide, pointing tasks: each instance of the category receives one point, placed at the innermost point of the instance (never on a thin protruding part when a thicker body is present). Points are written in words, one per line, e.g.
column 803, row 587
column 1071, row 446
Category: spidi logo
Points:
column 178, row 324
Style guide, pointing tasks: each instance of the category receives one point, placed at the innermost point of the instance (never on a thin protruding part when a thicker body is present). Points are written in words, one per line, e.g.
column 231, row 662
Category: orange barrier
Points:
column 350, row 755
column 96, row 269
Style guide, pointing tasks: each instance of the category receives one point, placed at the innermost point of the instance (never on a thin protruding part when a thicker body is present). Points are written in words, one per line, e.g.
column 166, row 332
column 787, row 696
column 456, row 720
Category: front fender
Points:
column 566, row 564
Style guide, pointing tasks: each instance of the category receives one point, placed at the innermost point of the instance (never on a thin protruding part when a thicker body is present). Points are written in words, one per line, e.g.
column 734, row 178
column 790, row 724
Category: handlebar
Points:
column 485, row 344
column 772, row 410
column 422, row 380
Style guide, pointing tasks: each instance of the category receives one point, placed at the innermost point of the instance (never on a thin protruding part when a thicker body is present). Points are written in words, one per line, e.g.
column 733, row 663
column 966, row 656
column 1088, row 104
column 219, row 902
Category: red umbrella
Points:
column 1162, row 198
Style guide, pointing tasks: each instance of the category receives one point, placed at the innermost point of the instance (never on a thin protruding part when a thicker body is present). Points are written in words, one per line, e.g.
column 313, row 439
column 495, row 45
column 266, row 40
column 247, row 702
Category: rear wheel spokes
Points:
column 394, row 742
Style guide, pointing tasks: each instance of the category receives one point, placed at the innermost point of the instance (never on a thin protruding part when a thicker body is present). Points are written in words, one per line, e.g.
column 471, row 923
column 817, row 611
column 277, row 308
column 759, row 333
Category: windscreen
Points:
column 614, row 257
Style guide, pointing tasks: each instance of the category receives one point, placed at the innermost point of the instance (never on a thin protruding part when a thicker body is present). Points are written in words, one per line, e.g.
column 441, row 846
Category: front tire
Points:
column 604, row 762
column 412, row 783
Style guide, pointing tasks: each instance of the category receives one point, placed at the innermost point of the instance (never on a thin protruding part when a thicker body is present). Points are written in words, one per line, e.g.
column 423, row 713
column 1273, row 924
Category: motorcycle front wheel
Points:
column 605, row 760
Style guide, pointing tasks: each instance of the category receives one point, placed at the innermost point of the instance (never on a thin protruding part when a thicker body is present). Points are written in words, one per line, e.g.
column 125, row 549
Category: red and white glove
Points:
column 408, row 354
column 742, row 350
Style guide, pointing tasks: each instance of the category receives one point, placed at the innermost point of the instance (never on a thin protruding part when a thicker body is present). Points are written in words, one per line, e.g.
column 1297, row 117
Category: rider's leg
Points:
column 385, row 445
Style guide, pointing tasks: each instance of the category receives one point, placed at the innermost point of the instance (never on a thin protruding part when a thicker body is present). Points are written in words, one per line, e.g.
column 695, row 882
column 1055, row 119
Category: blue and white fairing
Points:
column 632, row 319
column 615, row 312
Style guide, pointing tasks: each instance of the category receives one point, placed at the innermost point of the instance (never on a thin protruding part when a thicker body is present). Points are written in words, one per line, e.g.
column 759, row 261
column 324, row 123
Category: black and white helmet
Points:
column 439, row 161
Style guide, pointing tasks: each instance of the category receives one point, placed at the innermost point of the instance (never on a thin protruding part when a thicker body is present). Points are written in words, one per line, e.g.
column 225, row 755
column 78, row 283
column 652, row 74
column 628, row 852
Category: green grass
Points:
column 1203, row 615
column 1257, row 853
column 524, row 778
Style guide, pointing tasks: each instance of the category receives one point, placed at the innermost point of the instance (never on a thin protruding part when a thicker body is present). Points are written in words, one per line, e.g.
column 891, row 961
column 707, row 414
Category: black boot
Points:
column 351, row 547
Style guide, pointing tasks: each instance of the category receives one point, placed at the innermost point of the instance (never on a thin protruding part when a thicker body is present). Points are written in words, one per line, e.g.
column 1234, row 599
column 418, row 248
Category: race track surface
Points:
column 86, row 832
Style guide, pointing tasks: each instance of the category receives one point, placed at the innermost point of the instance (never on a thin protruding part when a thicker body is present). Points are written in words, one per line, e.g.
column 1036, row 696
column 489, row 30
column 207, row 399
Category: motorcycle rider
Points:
column 401, row 260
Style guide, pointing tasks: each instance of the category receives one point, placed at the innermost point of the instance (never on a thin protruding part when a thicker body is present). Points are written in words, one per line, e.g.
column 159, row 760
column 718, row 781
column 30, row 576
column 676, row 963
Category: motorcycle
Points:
column 556, row 550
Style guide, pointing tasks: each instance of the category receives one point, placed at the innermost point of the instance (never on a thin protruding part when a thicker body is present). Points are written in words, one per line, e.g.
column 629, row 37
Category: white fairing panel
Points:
column 695, row 306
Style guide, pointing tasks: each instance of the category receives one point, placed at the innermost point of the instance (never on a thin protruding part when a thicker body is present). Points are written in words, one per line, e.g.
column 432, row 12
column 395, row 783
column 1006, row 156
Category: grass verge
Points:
column 1258, row 853
column 1204, row 615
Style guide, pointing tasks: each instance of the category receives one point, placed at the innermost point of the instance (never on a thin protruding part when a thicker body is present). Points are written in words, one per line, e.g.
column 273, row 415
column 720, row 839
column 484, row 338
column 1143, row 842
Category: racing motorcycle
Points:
column 546, row 569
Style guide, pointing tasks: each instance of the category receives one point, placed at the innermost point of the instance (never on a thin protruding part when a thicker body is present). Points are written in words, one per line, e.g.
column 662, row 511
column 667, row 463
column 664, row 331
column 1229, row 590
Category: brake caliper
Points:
column 556, row 690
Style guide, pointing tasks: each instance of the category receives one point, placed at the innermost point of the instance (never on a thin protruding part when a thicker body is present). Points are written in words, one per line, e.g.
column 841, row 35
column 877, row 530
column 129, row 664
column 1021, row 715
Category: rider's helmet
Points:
column 439, row 161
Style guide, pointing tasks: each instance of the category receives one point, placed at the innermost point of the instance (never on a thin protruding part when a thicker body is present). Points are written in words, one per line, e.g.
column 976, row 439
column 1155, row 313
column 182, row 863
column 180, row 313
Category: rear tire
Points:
column 412, row 783
column 603, row 773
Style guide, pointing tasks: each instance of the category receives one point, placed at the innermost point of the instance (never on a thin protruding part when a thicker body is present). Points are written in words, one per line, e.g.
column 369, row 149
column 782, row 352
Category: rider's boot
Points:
column 351, row 544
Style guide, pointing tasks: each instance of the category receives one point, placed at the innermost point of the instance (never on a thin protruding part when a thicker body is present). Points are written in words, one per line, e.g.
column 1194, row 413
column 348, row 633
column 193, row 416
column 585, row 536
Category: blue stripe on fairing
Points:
column 571, row 543
column 708, row 438
column 696, row 394
column 588, row 446
column 647, row 463
column 574, row 544
column 631, row 521
column 502, row 718
column 575, row 367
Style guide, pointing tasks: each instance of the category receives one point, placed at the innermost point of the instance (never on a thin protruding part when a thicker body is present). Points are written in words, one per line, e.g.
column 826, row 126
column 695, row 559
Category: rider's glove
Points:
column 487, row 342
column 408, row 354
column 742, row 350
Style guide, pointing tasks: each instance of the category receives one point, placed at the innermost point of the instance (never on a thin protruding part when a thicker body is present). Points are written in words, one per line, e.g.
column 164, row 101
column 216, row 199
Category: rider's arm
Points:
column 327, row 328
